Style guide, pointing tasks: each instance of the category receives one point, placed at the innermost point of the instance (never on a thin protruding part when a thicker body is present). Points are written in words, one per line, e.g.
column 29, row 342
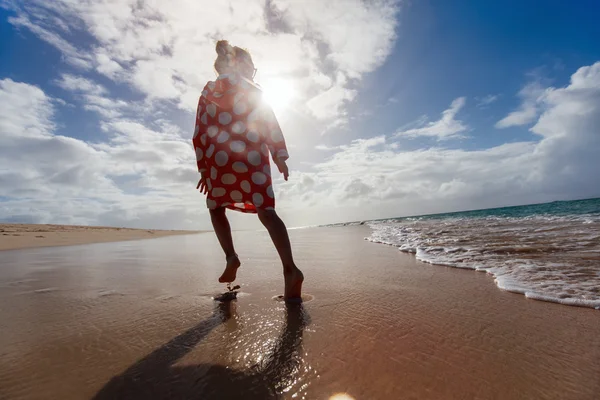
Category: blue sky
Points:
column 102, row 101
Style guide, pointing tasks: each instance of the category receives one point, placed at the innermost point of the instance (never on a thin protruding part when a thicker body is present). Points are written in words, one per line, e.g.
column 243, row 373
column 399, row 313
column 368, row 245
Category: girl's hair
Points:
column 229, row 57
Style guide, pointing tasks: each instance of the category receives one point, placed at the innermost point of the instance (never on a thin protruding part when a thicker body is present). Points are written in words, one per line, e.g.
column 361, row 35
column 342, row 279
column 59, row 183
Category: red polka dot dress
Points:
column 235, row 133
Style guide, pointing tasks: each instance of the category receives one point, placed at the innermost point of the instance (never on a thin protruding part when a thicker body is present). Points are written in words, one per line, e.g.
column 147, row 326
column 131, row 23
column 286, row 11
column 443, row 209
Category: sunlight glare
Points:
column 278, row 92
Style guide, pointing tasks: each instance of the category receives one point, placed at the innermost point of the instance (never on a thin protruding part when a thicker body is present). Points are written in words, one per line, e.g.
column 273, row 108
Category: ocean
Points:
column 547, row 252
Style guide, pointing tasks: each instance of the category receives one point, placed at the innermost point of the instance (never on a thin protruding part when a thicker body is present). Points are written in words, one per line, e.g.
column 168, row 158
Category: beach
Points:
column 136, row 319
column 21, row 236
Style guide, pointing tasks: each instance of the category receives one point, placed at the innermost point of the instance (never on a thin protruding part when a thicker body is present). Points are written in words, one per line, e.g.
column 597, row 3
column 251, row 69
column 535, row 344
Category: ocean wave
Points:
column 545, row 257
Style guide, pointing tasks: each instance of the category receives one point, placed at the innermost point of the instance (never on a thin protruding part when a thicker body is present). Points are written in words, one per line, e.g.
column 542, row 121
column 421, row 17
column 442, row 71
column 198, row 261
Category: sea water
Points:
column 545, row 251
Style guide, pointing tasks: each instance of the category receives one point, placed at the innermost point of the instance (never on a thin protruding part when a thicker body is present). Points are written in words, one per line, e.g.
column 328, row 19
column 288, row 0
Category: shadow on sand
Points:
column 156, row 377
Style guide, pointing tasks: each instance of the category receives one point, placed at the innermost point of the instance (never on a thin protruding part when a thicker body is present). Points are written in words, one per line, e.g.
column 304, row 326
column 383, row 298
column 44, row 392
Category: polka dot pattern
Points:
column 237, row 146
column 223, row 137
column 257, row 199
column 259, row 178
column 245, row 185
column 254, row 158
column 210, row 151
column 252, row 136
column 218, row 192
column 212, row 131
column 221, row 158
column 225, row 118
column 238, row 127
column 211, row 109
column 235, row 135
column 236, row 196
column 228, row 179
column 239, row 167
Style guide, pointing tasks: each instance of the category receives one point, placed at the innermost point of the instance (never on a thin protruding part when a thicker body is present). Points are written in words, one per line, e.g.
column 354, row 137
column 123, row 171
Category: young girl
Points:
column 235, row 133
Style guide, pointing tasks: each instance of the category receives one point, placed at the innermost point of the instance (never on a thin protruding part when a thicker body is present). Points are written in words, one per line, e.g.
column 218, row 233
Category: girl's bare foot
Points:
column 293, row 284
column 233, row 263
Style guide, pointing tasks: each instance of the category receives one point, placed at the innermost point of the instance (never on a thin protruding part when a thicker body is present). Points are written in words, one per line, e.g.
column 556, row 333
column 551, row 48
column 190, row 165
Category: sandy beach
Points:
column 136, row 320
column 21, row 236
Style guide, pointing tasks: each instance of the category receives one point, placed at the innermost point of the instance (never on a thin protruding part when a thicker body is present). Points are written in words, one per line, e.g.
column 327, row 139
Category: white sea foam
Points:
column 550, row 258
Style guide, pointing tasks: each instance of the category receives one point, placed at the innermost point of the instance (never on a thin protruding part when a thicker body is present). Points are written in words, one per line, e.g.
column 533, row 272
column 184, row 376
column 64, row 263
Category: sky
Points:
column 389, row 107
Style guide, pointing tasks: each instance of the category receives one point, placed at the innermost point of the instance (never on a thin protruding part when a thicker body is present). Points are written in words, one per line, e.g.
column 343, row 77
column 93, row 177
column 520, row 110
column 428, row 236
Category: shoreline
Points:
column 380, row 324
column 28, row 236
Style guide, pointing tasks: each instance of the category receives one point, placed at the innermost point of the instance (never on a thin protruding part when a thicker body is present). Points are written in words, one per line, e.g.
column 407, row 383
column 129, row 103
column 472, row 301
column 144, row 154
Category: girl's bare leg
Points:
column 223, row 231
column 292, row 275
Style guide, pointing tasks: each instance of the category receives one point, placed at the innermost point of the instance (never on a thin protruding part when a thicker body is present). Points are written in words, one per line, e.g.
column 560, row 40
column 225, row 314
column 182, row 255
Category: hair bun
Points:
column 223, row 48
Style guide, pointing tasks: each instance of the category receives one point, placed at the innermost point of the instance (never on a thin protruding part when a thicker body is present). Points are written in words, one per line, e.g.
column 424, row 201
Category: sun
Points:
column 278, row 92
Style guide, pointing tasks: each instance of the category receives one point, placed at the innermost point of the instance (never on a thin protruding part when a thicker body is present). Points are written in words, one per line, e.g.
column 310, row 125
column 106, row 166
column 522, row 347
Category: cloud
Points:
column 447, row 127
column 483, row 102
column 375, row 179
column 165, row 50
column 527, row 111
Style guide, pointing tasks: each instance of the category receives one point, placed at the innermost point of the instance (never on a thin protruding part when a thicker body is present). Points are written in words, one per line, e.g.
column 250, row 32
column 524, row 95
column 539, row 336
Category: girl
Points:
column 235, row 133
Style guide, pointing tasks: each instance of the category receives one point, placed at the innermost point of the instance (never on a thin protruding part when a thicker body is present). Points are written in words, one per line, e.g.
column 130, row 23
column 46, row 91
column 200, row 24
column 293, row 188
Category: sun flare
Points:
column 278, row 92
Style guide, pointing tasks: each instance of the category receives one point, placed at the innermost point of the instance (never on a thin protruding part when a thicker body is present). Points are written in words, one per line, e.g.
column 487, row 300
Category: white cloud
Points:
column 165, row 50
column 527, row 111
column 483, row 102
column 447, row 127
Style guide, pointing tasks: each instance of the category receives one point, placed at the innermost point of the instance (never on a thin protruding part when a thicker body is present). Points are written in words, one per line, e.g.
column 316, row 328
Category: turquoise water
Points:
column 547, row 251
column 557, row 208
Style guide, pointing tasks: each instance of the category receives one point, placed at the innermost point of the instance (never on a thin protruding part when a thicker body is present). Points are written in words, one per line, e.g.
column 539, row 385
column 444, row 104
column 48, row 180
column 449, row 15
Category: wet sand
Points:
column 22, row 236
column 135, row 320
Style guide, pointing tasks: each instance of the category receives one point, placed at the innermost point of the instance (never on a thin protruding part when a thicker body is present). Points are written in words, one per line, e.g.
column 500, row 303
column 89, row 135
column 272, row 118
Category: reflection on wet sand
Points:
column 156, row 376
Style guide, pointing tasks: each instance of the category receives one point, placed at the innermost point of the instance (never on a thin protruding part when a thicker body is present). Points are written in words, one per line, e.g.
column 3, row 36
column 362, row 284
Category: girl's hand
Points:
column 283, row 168
column 202, row 184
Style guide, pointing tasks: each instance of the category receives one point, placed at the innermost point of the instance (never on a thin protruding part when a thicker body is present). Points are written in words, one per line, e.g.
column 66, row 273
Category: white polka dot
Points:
column 270, row 192
column 269, row 208
column 211, row 204
column 264, row 149
column 212, row 131
column 203, row 139
column 223, row 137
column 218, row 192
column 239, row 167
column 253, row 116
column 238, row 127
column 221, row 158
column 267, row 170
column 224, row 118
column 228, row 179
column 240, row 108
column 218, row 95
column 239, row 205
column 196, row 131
column 210, row 150
column 213, row 172
column 254, row 157
column 245, row 185
column 211, row 109
column 209, row 184
column 257, row 199
column 205, row 93
column 236, row 196
column 252, row 136
column 225, row 204
column 203, row 119
column 211, row 86
column 199, row 154
column 277, row 136
column 259, row 178
column 237, row 146
column 238, row 97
